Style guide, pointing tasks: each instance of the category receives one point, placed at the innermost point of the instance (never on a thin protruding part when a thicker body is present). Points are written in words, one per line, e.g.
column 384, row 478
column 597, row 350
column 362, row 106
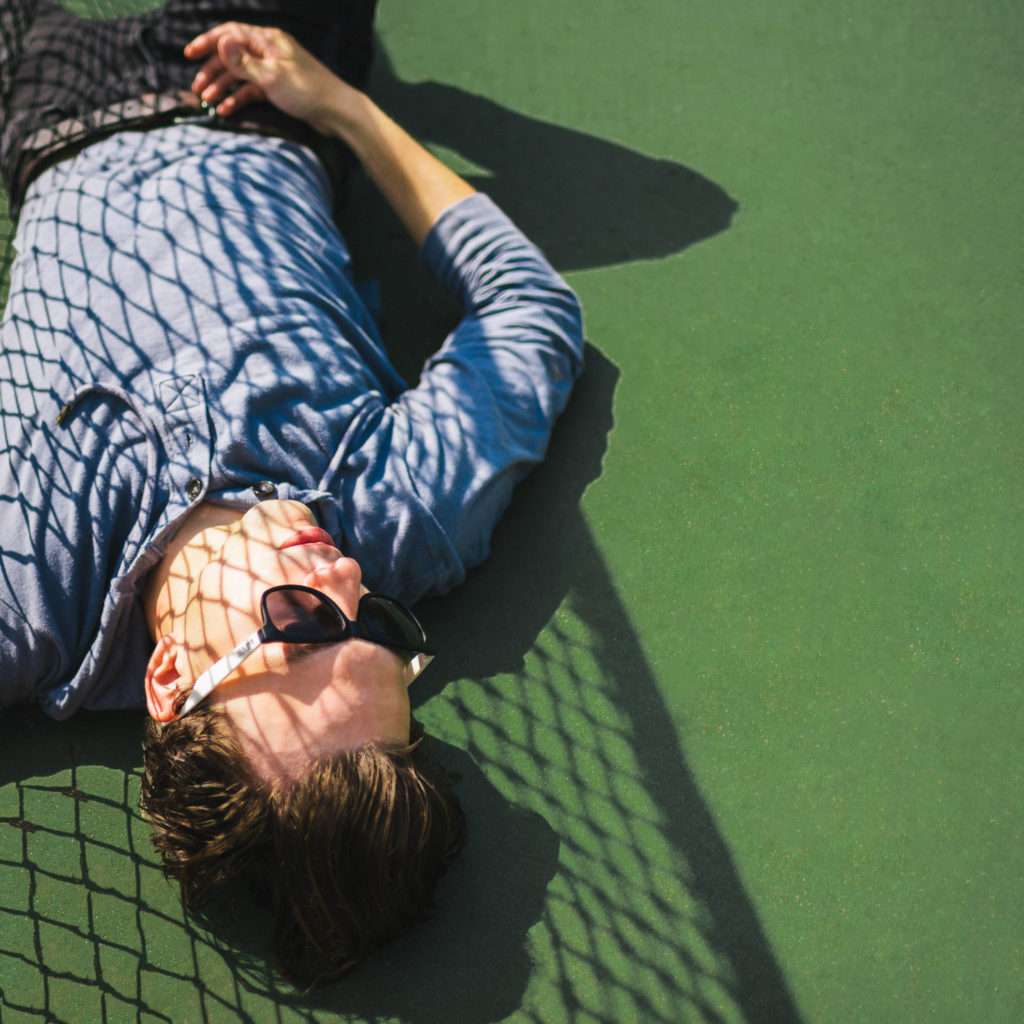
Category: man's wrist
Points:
column 348, row 115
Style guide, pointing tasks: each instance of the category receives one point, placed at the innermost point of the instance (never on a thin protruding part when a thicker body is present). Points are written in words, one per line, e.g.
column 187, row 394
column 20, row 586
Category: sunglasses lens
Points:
column 303, row 616
column 387, row 622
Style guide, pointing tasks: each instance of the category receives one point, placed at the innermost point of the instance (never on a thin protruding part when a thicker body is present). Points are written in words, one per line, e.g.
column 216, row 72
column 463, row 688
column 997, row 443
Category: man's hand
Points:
column 245, row 63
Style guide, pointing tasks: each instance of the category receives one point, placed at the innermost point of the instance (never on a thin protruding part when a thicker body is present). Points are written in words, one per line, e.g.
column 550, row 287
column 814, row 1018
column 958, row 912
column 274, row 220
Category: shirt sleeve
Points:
column 436, row 469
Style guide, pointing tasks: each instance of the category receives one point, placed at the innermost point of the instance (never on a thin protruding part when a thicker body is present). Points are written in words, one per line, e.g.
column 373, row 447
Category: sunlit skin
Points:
column 288, row 703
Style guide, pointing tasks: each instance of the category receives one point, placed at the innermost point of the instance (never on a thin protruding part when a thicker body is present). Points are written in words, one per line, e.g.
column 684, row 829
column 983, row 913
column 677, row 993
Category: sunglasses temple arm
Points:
column 416, row 665
column 219, row 671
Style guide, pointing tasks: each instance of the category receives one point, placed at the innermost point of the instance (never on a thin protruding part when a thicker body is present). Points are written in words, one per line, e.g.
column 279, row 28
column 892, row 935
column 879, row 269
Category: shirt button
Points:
column 264, row 489
column 193, row 489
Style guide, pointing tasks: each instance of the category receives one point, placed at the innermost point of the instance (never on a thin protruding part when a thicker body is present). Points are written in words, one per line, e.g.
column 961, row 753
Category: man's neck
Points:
column 172, row 579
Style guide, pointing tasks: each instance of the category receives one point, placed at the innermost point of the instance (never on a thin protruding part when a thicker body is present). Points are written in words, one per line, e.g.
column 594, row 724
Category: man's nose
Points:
column 341, row 580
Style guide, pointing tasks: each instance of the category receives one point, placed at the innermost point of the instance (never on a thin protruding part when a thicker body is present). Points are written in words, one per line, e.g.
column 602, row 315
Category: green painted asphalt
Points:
column 737, row 700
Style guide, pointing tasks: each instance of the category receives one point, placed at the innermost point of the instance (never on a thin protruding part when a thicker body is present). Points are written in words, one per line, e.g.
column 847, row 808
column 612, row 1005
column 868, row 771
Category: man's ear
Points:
column 163, row 680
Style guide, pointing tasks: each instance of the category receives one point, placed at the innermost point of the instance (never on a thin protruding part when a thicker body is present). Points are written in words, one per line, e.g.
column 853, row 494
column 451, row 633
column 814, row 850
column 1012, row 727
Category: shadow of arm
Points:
column 585, row 201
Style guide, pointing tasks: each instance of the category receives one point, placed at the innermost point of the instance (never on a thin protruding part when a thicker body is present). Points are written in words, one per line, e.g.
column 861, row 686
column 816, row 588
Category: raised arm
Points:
column 243, row 63
column 424, row 478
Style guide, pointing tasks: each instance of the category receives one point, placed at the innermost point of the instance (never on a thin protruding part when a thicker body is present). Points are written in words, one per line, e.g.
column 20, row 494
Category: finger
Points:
column 208, row 73
column 220, row 87
column 203, row 45
column 231, row 51
column 243, row 57
column 248, row 93
column 206, row 42
column 198, row 47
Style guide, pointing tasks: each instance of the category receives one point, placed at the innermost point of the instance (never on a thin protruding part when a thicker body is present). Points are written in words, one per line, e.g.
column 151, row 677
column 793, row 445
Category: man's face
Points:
column 290, row 703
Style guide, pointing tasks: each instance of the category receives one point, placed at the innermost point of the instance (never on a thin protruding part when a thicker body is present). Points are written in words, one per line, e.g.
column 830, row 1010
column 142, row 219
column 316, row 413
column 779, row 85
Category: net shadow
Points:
column 595, row 875
column 648, row 918
column 90, row 929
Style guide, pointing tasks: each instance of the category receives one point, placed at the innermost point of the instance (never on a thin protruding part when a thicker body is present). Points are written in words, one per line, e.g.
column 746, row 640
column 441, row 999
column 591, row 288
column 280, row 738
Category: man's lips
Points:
column 310, row 535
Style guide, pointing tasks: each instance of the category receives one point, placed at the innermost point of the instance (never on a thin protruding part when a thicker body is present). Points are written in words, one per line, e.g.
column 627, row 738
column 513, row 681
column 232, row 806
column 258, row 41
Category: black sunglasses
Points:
column 294, row 614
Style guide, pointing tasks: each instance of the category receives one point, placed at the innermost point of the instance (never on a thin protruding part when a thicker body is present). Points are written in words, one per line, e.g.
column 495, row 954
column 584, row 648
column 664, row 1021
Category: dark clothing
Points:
column 67, row 81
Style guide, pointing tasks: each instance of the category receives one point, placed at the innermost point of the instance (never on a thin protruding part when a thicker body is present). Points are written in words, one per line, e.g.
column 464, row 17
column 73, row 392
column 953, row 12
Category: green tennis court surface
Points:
column 737, row 701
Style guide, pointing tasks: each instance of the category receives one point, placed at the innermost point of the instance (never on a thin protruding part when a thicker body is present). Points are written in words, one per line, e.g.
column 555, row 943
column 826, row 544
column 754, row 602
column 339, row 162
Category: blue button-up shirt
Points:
column 183, row 326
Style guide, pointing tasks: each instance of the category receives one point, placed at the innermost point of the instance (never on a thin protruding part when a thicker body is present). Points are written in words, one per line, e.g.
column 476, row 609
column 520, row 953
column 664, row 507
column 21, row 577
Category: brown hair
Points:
column 346, row 857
